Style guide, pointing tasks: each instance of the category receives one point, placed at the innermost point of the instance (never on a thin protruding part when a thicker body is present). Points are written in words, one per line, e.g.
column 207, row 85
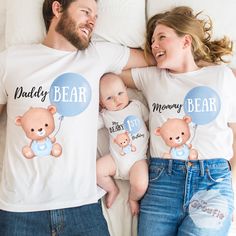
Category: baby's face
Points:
column 114, row 95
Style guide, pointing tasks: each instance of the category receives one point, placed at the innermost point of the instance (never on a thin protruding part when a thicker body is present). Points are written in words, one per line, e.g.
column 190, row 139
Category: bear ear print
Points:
column 187, row 119
column 18, row 120
column 158, row 131
column 52, row 109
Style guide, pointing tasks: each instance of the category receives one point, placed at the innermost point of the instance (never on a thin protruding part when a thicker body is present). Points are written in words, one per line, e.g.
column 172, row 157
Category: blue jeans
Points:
column 86, row 220
column 187, row 198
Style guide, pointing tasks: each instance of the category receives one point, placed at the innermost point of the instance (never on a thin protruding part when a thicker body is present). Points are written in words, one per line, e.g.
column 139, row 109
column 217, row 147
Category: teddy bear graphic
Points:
column 124, row 142
column 175, row 133
column 38, row 124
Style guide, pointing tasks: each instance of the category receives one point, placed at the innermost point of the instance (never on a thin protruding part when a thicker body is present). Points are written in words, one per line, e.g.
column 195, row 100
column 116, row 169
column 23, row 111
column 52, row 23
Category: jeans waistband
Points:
column 201, row 165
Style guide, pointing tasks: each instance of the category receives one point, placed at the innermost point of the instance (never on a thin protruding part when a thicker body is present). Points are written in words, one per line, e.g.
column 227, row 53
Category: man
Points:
column 48, row 183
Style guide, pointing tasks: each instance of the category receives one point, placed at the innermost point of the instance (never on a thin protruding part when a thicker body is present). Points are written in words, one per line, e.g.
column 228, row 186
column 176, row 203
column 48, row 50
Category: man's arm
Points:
column 137, row 59
column 126, row 76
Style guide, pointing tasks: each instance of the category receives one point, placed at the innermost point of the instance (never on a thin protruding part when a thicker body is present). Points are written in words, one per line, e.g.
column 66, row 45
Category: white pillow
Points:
column 24, row 22
column 2, row 24
column 120, row 21
column 222, row 14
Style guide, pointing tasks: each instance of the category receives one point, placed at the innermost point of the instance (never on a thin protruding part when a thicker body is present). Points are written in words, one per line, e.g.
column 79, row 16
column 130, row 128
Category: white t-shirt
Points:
column 128, row 135
column 37, row 76
column 207, row 95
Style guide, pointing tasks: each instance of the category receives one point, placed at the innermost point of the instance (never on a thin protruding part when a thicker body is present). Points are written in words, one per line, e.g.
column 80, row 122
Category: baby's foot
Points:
column 134, row 207
column 111, row 197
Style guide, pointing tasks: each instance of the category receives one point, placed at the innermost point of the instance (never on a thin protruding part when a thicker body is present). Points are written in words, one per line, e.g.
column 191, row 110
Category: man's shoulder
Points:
column 102, row 44
column 12, row 50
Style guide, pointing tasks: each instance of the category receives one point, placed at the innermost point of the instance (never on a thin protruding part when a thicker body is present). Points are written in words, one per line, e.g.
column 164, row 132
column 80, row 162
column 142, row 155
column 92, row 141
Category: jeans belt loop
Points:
column 202, row 169
column 229, row 165
column 170, row 163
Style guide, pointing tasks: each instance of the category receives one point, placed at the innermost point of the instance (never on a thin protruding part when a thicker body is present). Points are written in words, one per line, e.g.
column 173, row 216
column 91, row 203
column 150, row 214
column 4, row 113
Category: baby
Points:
column 128, row 135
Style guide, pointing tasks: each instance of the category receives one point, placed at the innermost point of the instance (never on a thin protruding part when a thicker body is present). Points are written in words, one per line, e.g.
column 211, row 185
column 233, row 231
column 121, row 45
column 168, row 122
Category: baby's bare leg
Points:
column 106, row 168
column 138, row 184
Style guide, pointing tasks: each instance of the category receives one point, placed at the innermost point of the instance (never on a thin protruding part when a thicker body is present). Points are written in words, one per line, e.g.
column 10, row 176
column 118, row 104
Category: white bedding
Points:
column 120, row 21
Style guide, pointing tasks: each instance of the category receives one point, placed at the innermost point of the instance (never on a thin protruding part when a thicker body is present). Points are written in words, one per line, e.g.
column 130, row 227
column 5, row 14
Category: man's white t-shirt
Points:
column 37, row 76
column 207, row 95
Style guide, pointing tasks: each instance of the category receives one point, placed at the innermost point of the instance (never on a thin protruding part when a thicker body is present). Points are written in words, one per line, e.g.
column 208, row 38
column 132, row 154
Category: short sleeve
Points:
column 137, row 75
column 3, row 94
column 114, row 56
column 143, row 78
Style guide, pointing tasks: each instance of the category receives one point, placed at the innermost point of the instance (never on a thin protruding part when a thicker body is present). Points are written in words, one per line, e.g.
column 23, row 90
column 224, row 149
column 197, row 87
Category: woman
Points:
column 187, row 197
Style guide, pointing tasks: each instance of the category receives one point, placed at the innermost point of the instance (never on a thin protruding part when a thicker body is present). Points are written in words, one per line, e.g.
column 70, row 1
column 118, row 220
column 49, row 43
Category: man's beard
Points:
column 68, row 28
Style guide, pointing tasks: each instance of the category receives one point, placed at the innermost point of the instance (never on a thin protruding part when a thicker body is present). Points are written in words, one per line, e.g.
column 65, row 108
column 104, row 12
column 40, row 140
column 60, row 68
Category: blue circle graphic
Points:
column 70, row 93
column 132, row 124
column 202, row 104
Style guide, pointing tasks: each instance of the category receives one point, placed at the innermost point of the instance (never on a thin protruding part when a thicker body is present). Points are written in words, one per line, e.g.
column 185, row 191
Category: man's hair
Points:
column 47, row 10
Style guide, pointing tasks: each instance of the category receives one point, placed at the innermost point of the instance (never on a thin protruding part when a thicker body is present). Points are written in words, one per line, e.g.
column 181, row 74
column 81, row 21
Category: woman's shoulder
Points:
column 149, row 70
column 218, row 67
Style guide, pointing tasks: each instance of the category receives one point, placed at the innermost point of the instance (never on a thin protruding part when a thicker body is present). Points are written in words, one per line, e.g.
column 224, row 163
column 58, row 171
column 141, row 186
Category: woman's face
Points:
column 168, row 48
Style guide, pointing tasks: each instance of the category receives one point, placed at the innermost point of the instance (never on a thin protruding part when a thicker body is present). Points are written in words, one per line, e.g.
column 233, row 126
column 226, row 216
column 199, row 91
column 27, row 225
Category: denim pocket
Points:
column 218, row 175
column 155, row 173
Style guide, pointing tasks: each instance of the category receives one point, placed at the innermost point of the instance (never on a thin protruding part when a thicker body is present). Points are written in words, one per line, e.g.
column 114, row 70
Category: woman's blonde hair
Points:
column 184, row 22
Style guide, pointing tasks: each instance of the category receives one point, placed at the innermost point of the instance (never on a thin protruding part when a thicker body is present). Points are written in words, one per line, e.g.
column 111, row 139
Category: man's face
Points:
column 77, row 23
